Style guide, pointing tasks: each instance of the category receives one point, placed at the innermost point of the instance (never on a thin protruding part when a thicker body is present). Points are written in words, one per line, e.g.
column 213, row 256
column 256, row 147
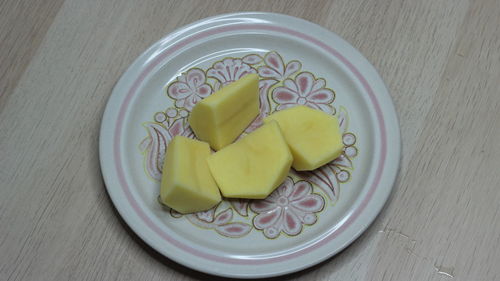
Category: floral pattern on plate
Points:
column 287, row 209
column 298, row 201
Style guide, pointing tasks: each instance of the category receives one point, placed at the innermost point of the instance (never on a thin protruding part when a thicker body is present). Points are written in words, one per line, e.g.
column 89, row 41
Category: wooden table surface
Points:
column 59, row 60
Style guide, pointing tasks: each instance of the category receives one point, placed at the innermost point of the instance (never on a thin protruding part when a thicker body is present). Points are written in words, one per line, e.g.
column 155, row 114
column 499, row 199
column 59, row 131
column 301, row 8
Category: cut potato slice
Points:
column 220, row 118
column 313, row 136
column 187, row 185
column 253, row 166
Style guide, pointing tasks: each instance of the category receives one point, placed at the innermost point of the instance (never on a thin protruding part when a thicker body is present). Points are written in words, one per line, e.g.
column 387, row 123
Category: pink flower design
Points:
column 239, row 205
column 229, row 70
column 304, row 90
column 276, row 69
column 344, row 161
column 189, row 89
column 348, row 138
column 252, row 59
column 224, row 226
column 222, row 223
column 207, row 216
column 287, row 209
column 325, row 178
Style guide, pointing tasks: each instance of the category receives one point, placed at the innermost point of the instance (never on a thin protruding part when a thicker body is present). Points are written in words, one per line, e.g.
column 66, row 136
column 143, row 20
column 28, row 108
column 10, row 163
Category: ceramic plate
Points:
column 311, row 216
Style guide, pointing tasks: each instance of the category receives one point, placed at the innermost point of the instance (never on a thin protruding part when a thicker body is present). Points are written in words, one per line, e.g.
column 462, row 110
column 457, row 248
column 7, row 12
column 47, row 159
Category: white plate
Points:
column 304, row 221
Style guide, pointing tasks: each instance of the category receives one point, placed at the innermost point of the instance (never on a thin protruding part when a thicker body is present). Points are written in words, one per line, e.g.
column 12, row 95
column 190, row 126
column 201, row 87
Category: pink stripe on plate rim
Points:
column 165, row 53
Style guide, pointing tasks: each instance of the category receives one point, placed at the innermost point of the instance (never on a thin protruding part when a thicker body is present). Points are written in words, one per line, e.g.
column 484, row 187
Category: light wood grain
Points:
column 60, row 60
column 24, row 24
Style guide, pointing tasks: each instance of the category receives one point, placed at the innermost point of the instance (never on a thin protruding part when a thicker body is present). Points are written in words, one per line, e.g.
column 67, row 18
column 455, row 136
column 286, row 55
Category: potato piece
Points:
column 313, row 136
column 187, row 185
column 220, row 118
column 253, row 166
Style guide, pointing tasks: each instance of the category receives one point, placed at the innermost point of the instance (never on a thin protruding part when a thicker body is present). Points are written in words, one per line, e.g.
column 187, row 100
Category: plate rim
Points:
column 111, row 109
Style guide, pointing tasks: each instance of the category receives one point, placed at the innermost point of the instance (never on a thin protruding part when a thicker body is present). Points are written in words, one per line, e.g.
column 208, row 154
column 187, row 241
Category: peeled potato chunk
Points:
column 187, row 185
column 313, row 136
column 253, row 166
column 220, row 118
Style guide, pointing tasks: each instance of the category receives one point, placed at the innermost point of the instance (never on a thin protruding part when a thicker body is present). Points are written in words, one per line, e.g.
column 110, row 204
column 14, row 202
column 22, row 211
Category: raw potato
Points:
column 187, row 185
column 313, row 136
column 220, row 118
column 253, row 166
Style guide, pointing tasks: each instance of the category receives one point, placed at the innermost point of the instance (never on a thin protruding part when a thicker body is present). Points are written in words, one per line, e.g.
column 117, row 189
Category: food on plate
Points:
column 220, row 118
column 187, row 185
column 313, row 136
column 253, row 166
